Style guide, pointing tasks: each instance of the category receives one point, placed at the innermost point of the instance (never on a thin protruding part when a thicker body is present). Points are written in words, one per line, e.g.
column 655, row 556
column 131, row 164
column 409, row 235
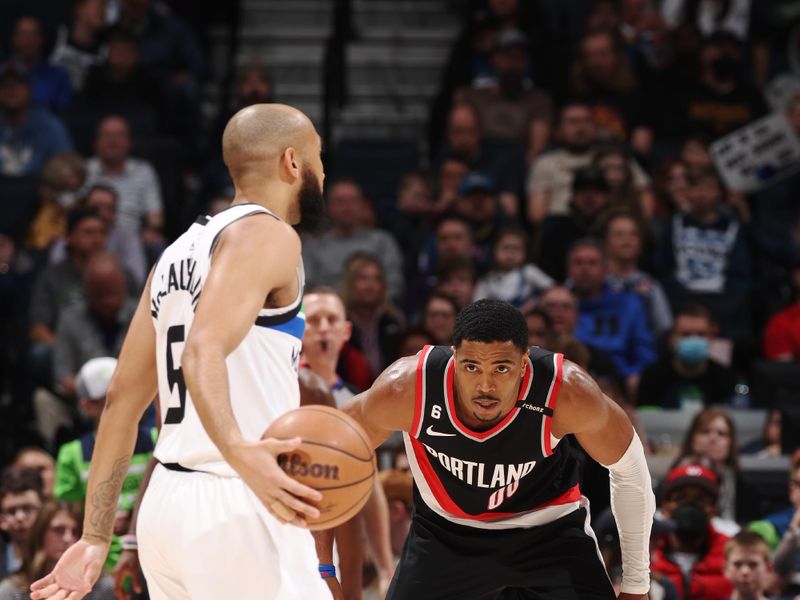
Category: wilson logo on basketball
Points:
column 335, row 458
column 297, row 465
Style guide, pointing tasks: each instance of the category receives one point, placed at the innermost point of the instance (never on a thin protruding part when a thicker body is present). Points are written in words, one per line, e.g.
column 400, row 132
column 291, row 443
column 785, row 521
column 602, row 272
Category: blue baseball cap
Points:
column 14, row 69
column 475, row 182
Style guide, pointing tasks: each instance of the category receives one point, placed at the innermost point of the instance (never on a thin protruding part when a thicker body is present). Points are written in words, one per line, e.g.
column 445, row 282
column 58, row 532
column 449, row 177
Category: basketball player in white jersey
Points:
column 217, row 336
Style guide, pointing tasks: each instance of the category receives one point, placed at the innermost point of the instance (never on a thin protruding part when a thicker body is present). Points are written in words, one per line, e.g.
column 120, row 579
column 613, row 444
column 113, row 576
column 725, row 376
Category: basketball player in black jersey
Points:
column 498, row 513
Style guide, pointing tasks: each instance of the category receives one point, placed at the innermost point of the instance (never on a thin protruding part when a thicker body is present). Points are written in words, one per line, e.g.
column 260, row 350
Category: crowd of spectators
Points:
column 568, row 170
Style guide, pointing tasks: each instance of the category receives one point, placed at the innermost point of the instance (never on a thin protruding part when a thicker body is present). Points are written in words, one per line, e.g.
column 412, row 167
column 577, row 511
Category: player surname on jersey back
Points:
column 180, row 276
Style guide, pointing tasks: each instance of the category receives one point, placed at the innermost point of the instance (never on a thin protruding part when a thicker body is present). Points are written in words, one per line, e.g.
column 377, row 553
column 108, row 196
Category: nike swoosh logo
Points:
column 430, row 431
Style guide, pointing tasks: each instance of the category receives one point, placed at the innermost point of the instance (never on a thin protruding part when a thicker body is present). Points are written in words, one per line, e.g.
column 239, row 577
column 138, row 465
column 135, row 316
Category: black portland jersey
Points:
column 515, row 474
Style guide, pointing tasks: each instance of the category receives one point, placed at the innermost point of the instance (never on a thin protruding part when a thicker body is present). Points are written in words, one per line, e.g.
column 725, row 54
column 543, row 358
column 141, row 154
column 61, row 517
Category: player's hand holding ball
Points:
column 288, row 500
column 335, row 458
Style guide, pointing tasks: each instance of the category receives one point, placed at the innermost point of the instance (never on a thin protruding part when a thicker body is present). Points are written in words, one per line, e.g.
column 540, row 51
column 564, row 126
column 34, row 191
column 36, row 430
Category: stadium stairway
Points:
column 393, row 70
column 392, row 63
column 289, row 38
column 394, row 66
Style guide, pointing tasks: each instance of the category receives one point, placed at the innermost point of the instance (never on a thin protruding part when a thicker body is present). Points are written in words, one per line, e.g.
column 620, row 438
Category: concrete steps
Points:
column 393, row 64
column 394, row 67
column 416, row 14
column 287, row 14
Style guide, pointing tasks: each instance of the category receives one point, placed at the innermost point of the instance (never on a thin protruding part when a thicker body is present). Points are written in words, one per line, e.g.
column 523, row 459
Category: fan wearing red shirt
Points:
column 782, row 335
column 692, row 556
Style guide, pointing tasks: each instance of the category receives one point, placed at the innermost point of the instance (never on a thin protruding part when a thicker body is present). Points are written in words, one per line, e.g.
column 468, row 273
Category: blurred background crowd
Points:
column 623, row 171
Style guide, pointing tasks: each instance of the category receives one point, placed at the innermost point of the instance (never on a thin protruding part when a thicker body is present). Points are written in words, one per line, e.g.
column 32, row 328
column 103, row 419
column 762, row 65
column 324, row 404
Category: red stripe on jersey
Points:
column 446, row 502
column 420, row 390
column 475, row 435
column 573, row 494
column 552, row 398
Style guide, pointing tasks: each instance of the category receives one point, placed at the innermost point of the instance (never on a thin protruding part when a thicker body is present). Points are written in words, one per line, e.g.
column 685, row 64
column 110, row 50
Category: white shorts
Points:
column 205, row 537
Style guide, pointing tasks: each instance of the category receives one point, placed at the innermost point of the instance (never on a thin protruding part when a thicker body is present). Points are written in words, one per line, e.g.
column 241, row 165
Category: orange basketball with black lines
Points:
column 334, row 458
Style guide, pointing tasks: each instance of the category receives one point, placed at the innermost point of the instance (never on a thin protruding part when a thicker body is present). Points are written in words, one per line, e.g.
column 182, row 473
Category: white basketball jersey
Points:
column 262, row 370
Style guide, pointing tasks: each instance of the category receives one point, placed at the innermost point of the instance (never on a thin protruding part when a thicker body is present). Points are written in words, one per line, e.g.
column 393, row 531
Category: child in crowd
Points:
column 511, row 279
column 748, row 565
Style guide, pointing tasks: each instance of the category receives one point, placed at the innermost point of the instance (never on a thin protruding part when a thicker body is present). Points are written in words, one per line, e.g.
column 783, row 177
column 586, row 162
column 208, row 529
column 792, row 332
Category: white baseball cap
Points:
column 93, row 378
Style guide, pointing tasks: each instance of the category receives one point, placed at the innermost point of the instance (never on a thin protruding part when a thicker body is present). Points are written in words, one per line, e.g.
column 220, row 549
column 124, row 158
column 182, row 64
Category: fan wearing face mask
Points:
column 692, row 553
column 685, row 376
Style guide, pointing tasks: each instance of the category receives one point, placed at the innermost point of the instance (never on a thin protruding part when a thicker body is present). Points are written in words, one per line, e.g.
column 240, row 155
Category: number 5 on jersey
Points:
column 175, row 335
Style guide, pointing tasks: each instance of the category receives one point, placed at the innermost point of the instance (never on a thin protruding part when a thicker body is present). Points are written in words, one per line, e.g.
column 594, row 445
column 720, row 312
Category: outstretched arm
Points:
column 387, row 406
column 132, row 389
column 604, row 431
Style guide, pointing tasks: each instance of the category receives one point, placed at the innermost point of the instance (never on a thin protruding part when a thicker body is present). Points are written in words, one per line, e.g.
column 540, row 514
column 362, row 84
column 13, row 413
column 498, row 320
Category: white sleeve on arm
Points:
column 633, row 504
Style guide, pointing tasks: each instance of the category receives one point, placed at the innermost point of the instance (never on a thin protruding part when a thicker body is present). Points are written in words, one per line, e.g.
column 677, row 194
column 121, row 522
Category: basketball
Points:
column 335, row 458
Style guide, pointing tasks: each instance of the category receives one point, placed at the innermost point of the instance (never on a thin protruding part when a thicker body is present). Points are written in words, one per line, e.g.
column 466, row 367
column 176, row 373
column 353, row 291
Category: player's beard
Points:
column 312, row 204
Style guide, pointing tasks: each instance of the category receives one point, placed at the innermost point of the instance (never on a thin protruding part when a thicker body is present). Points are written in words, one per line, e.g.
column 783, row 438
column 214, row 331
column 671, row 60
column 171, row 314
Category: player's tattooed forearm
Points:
column 104, row 501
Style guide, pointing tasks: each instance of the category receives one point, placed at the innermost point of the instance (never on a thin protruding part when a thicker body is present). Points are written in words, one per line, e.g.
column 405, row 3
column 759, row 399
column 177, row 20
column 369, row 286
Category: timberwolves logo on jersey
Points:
column 181, row 276
column 515, row 467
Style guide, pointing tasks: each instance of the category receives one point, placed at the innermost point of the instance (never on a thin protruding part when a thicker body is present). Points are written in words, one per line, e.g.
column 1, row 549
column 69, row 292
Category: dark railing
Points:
column 233, row 17
column 334, row 77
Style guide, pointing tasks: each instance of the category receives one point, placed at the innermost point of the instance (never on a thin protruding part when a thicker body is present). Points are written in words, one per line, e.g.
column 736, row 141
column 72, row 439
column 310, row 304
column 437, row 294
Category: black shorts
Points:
column 557, row 561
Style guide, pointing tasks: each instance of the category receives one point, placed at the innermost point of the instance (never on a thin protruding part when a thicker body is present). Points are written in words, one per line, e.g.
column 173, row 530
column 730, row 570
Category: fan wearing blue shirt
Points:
column 29, row 135
column 615, row 322
column 51, row 86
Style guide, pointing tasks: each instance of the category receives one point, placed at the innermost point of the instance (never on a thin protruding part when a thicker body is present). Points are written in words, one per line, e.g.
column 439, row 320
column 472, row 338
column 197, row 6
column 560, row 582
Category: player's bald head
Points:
column 257, row 135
